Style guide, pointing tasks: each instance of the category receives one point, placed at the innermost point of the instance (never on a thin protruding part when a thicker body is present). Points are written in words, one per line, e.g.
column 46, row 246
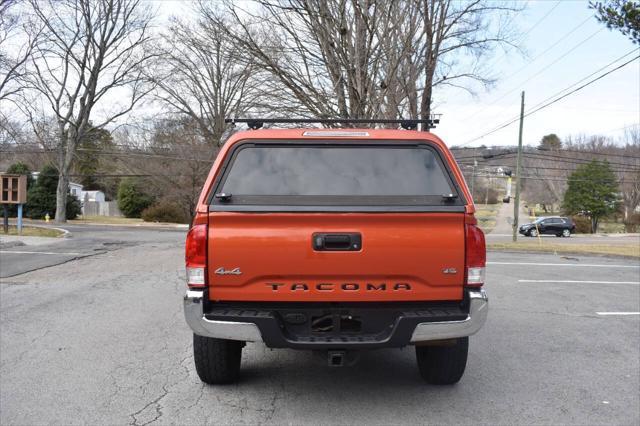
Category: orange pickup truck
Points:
column 335, row 241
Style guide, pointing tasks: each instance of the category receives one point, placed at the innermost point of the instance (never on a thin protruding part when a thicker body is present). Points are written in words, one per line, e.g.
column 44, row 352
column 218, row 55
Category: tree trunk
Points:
column 594, row 224
column 61, row 197
column 68, row 143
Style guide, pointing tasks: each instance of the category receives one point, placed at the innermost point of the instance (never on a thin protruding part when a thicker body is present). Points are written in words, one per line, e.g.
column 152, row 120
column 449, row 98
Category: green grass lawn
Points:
column 32, row 231
column 627, row 250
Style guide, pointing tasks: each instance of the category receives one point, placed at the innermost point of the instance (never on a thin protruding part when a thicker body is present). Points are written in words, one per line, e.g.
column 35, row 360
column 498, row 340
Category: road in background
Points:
column 621, row 239
column 502, row 231
column 102, row 339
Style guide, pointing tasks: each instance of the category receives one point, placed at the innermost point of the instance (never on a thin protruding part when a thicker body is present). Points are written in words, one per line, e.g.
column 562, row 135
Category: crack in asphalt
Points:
column 158, row 408
column 55, row 264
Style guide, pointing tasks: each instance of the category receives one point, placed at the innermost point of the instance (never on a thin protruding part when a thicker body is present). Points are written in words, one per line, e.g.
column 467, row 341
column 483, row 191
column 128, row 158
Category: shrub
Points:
column 583, row 224
column 481, row 195
column 164, row 211
column 40, row 201
column 74, row 206
column 632, row 224
column 132, row 199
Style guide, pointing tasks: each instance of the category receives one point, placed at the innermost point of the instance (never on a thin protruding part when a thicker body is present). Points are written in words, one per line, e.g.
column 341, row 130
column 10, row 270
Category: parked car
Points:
column 555, row 225
column 335, row 241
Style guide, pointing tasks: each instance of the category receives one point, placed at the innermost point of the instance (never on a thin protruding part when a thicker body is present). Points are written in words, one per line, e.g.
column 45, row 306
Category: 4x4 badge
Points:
column 449, row 271
column 222, row 271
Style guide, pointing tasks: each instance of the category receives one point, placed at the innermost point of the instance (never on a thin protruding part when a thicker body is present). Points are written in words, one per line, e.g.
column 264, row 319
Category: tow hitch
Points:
column 336, row 358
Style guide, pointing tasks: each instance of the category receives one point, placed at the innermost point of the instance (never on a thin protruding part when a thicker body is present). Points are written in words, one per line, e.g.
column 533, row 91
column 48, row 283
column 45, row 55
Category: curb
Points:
column 65, row 233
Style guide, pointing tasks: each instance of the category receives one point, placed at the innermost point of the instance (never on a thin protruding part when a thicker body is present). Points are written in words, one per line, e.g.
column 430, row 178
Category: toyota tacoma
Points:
column 336, row 241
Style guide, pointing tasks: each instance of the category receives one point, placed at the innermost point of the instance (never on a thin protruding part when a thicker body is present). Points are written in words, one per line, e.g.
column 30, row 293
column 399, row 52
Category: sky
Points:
column 604, row 107
column 563, row 43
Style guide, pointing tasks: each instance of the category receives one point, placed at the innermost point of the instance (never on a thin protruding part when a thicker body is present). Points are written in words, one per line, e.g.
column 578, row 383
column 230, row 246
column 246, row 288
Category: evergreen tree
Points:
column 593, row 191
column 132, row 199
column 41, row 198
column 550, row 142
column 622, row 15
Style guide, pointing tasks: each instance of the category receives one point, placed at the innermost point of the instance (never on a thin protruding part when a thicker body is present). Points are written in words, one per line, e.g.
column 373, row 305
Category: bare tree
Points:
column 201, row 75
column 457, row 41
column 630, row 182
column 17, row 40
column 91, row 54
column 366, row 58
column 327, row 55
column 176, row 157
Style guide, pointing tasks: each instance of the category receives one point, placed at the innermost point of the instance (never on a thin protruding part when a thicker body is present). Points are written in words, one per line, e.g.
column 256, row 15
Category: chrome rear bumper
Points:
column 478, row 309
column 250, row 332
column 231, row 330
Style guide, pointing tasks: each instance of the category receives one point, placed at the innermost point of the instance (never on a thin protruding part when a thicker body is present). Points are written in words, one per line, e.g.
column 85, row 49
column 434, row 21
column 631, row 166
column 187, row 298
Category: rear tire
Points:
column 566, row 233
column 217, row 360
column 443, row 365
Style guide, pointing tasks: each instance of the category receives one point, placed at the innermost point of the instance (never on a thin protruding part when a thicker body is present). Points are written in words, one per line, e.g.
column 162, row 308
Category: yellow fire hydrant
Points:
column 47, row 217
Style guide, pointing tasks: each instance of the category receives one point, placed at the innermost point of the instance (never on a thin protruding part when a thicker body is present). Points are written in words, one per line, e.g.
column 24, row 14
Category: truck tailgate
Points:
column 271, row 257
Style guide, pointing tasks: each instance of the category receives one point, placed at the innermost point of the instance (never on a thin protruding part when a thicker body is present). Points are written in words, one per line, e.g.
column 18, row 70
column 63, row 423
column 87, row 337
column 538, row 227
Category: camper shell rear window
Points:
column 343, row 176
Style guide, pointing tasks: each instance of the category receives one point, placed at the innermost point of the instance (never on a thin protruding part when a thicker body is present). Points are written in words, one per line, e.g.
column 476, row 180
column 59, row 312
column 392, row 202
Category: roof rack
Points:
column 408, row 124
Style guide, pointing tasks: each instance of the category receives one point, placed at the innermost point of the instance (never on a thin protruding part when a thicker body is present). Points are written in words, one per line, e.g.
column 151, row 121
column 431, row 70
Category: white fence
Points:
column 101, row 208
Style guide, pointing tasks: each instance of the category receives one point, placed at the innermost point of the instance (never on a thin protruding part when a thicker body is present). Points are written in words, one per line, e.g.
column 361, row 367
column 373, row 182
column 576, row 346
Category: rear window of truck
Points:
column 336, row 175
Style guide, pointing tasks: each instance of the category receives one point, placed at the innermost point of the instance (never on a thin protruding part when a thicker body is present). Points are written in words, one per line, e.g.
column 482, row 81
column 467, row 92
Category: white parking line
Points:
column 562, row 264
column 618, row 313
column 40, row 252
column 580, row 282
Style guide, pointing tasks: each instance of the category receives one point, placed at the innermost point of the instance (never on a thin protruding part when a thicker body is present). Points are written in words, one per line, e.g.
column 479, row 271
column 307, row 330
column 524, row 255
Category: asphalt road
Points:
column 85, row 240
column 102, row 340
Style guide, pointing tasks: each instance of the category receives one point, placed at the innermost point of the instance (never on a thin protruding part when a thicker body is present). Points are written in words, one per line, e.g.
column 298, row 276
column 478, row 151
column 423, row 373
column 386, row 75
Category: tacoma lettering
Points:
column 350, row 287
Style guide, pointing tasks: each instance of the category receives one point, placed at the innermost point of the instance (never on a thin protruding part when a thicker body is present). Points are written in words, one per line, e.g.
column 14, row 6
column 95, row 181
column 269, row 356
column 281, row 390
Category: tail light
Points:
column 475, row 253
column 196, row 256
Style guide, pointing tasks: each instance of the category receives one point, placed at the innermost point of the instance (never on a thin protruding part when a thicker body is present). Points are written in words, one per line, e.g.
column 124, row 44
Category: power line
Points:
column 552, row 102
column 558, row 158
column 511, row 121
column 551, row 154
column 558, row 179
column 526, row 65
column 534, row 26
column 585, row 78
column 111, row 153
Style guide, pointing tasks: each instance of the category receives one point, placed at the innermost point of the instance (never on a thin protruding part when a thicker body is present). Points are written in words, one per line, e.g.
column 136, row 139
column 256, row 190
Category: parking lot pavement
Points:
column 102, row 340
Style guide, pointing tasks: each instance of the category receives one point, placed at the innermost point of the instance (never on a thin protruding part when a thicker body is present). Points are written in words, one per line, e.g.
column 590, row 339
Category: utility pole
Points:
column 516, row 204
column 473, row 176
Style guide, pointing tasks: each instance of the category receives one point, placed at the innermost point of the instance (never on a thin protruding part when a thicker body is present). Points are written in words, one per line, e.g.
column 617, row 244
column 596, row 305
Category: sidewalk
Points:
column 504, row 219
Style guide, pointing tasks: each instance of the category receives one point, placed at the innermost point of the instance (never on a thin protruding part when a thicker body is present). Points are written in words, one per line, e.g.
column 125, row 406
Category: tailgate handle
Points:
column 351, row 241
